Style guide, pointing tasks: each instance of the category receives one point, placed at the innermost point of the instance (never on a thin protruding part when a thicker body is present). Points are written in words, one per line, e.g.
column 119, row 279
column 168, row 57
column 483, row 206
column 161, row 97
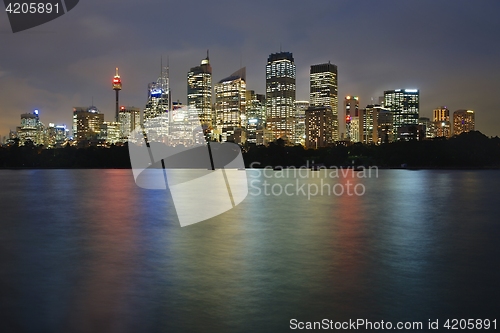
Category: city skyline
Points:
column 453, row 66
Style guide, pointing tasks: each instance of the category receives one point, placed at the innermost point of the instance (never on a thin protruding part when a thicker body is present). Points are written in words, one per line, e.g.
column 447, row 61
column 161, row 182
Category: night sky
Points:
column 449, row 50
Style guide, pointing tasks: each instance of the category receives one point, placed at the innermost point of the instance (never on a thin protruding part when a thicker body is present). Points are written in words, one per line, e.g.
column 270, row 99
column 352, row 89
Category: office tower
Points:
column 463, row 121
column 31, row 129
column 280, row 96
column 199, row 92
column 319, row 123
column 404, row 104
column 385, row 127
column 230, row 104
column 56, row 135
column 351, row 108
column 300, row 122
column 430, row 131
column 87, row 123
column 323, row 91
column 441, row 122
column 110, row 132
column 157, row 115
column 129, row 118
column 117, row 86
column 255, row 110
column 356, row 130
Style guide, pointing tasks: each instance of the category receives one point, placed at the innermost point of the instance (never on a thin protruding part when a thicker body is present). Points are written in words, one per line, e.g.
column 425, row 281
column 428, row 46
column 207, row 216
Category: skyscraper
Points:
column 129, row 119
column 324, row 91
column 441, row 121
column 351, row 108
column 31, row 129
column 87, row 123
column 255, row 113
column 199, row 92
column 157, row 113
column 404, row 104
column 319, row 122
column 300, row 122
column 230, row 104
column 463, row 121
column 280, row 95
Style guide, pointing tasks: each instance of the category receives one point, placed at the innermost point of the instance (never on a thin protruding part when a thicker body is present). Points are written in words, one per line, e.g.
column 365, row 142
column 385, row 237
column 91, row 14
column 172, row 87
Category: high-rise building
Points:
column 199, row 92
column 463, row 121
column 157, row 115
column 280, row 95
column 404, row 104
column 31, row 129
column 129, row 118
column 256, row 117
column 230, row 104
column 87, row 123
column 430, row 131
column 351, row 109
column 324, row 91
column 441, row 122
column 300, row 122
column 56, row 135
column 319, row 123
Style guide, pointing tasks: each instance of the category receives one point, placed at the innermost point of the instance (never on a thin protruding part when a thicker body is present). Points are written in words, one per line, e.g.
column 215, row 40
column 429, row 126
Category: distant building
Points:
column 300, row 122
column 57, row 135
column 463, row 121
column 441, row 121
column 385, row 127
column 110, row 132
column 157, row 114
column 129, row 118
column 411, row 133
column 404, row 104
column 199, row 92
column 319, row 123
column 230, row 104
column 256, row 117
column 430, row 131
column 31, row 129
column 324, row 91
column 280, row 96
column 351, row 109
column 87, row 124
column 373, row 125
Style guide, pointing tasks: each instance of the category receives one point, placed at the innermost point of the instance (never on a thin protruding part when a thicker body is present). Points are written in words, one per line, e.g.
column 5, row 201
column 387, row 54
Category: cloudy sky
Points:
column 447, row 49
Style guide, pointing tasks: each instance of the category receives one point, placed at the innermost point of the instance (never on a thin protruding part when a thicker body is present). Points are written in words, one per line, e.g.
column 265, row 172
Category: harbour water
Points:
column 89, row 251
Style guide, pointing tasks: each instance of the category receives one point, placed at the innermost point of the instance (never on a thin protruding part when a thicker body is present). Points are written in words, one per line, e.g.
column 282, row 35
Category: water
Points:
column 89, row 251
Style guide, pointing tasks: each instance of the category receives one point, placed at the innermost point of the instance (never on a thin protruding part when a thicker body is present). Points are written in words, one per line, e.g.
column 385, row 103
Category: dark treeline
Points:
column 468, row 150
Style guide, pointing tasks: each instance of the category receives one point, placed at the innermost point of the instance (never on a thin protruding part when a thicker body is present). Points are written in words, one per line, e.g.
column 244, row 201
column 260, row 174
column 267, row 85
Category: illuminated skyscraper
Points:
column 199, row 92
column 129, row 118
column 351, row 108
column 463, row 121
column 280, row 95
column 87, row 123
column 319, row 122
column 324, row 91
column 256, row 117
column 300, row 122
column 230, row 104
column 441, row 121
column 31, row 129
column 430, row 131
column 157, row 114
column 404, row 104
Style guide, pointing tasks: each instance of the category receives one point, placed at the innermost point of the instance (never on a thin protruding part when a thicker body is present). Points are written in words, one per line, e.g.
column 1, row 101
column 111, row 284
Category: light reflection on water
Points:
column 88, row 251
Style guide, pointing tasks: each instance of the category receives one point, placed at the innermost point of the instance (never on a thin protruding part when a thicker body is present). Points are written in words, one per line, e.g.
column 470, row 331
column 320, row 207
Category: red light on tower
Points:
column 117, row 82
column 348, row 119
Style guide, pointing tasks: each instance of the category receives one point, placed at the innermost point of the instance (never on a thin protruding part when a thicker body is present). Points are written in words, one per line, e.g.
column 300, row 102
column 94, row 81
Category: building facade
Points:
column 319, row 123
column 463, row 121
column 87, row 123
column 199, row 92
column 351, row 109
column 323, row 91
column 280, row 96
column 230, row 105
column 405, row 106
column 441, row 121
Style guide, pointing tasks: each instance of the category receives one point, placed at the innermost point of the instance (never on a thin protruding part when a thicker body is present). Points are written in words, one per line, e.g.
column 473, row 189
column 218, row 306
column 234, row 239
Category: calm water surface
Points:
column 89, row 251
